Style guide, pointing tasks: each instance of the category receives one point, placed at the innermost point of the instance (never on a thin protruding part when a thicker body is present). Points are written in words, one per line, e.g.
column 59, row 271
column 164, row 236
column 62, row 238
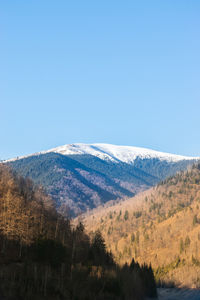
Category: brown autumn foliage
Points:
column 43, row 257
column 26, row 212
column 160, row 226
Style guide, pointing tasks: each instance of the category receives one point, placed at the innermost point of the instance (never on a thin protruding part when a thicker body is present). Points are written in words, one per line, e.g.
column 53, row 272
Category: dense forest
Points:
column 85, row 181
column 161, row 226
column 42, row 256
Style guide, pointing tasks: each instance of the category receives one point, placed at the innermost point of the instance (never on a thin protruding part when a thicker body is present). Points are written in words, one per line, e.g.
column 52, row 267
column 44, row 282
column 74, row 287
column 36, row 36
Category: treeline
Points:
column 190, row 176
column 43, row 257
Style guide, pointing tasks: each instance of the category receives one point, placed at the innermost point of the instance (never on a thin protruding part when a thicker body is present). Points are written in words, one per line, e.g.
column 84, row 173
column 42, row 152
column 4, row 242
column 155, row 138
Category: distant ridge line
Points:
column 115, row 153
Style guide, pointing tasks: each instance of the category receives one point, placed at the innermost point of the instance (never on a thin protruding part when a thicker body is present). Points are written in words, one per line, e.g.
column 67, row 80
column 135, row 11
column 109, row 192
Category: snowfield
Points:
column 115, row 153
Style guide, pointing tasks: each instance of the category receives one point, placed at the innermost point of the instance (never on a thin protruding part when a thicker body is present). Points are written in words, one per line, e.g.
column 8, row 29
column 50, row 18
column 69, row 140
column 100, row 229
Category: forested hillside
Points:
column 81, row 177
column 43, row 257
column 161, row 226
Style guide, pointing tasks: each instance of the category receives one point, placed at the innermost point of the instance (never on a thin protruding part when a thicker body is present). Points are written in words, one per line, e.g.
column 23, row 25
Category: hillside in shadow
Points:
column 43, row 257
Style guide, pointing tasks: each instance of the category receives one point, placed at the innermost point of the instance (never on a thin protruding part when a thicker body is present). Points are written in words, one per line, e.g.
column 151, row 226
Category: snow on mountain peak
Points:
column 117, row 153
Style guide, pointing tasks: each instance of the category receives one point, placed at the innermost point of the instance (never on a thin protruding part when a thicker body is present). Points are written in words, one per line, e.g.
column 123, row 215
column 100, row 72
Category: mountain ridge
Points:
column 83, row 176
column 110, row 151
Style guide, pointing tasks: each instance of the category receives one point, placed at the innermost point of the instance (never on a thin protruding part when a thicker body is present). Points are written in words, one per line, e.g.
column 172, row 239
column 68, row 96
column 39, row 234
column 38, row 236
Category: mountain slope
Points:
column 43, row 257
column 81, row 176
column 161, row 226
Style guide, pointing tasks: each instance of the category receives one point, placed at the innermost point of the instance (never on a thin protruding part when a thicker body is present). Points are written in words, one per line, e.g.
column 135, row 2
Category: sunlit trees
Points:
column 44, row 256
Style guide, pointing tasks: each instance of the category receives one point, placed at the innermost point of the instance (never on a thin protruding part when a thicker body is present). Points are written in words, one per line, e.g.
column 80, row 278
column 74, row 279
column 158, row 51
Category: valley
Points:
column 100, row 150
column 144, row 204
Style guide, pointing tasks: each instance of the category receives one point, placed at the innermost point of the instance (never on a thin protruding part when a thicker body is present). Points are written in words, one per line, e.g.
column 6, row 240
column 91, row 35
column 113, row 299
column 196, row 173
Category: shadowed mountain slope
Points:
column 81, row 177
column 43, row 257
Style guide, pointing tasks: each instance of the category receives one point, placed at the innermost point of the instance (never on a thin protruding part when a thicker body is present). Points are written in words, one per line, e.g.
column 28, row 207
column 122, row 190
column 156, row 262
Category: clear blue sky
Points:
column 121, row 72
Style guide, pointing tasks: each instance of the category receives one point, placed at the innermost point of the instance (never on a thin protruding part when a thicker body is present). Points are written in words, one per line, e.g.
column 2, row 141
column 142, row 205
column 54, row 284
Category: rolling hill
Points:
column 81, row 177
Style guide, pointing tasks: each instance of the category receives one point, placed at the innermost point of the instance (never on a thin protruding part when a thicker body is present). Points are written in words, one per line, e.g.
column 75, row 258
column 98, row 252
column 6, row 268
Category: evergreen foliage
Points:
column 85, row 181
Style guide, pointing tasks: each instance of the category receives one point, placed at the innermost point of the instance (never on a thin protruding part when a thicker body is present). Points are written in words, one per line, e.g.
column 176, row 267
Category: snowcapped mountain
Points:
column 115, row 153
column 83, row 176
